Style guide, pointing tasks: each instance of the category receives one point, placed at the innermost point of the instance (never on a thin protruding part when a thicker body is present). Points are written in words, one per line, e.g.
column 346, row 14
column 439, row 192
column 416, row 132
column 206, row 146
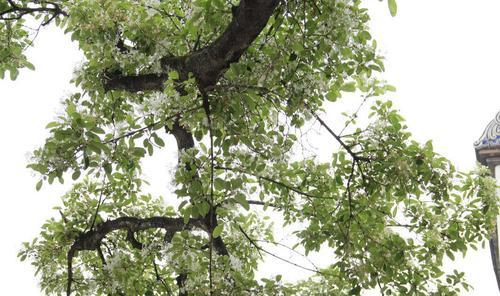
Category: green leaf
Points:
column 139, row 152
column 14, row 72
column 71, row 109
column 241, row 199
column 450, row 255
column 186, row 215
column 107, row 168
column 365, row 35
column 173, row 75
column 393, row 7
column 203, row 208
column 217, row 231
column 391, row 88
column 86, row 160
column 52, row 124
column 349, row 87
column 219, row 184
column 92, row 147
column 148, row 146
column 39, row 185
column 182, row 204
column 355, row 291
column 159, row 141
column 29, row 65
column 332, row 96
column 98, row 130
column 76, row 175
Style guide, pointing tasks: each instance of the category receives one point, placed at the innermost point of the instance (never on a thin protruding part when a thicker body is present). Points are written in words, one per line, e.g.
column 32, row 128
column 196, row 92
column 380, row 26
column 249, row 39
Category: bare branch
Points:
column 259, row 248
column 354, row 155
column 279, row 183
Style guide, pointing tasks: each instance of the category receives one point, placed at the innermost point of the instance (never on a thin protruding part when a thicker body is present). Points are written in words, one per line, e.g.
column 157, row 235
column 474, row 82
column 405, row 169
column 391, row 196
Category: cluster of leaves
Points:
column 388, row 208
column 14, row 39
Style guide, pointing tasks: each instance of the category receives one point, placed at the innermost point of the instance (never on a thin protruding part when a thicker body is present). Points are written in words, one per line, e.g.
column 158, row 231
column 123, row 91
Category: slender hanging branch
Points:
column 206, row 106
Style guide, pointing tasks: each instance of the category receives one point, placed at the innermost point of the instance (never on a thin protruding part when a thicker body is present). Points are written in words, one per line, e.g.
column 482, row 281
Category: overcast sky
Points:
column 442, row 55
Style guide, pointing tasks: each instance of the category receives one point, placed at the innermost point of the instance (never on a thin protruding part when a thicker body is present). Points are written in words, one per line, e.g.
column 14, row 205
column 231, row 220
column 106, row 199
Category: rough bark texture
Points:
column 91, row 239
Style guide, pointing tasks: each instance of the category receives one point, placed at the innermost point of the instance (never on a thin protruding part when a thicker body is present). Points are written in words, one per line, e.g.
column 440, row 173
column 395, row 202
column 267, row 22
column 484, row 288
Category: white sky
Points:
column 442, row 55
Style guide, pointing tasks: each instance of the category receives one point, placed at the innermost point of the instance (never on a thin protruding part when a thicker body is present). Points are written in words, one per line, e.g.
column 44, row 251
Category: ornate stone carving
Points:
column 491, row 135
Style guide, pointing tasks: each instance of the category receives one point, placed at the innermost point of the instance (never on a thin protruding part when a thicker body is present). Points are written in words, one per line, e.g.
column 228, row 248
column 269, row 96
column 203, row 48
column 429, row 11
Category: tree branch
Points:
column 279, row 183
column 91, row 240
column 210, row 62
column 259, row 248
column 353, row 154
column 134, row 83
column 16, row 12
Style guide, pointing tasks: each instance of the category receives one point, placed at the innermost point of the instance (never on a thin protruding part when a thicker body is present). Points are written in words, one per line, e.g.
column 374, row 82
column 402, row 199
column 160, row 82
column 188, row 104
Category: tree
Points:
column 236, row 83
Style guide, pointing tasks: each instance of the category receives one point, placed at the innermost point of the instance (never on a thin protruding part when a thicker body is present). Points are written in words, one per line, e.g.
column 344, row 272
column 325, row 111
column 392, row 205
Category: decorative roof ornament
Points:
column 489, row 141
column 488, row 154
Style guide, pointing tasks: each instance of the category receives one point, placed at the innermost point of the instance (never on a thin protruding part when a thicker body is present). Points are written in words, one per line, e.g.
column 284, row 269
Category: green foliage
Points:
column 393, row 7
column 388, row 209
column 14, row 39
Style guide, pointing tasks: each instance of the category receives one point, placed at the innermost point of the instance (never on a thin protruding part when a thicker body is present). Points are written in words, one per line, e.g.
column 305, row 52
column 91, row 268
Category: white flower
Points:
column 235, row 263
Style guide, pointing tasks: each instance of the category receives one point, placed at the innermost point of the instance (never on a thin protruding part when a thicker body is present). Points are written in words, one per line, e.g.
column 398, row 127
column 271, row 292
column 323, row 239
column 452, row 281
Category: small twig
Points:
column 160, row 279
column 291, row 188
column 99, row 202
column 290, row 249
column 276, row 256
column 354, row 155
column 206, row 106
column 149, row 126
column 71, row 254
column 101, row 256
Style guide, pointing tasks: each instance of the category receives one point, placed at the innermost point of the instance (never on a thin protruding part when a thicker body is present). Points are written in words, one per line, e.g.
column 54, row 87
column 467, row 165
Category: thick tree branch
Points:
column 91, row 240
column 131, row 238
column 183, row 137
column 181, row 283
column 210, row 62
column 249, row 19
column 185, row 141
column 134, row 83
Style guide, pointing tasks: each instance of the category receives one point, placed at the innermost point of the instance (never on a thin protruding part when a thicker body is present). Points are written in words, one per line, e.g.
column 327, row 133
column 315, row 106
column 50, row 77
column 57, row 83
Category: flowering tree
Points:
column 236, row 83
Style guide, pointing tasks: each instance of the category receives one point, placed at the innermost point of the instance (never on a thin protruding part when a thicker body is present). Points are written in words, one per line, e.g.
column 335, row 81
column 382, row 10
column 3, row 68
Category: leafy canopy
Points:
column 237, row 84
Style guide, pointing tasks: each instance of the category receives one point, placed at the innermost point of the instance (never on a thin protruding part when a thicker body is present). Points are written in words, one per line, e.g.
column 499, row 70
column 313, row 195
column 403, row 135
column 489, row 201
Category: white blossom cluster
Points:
column 114, row 266
column 157, row 104
column 235, row 263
